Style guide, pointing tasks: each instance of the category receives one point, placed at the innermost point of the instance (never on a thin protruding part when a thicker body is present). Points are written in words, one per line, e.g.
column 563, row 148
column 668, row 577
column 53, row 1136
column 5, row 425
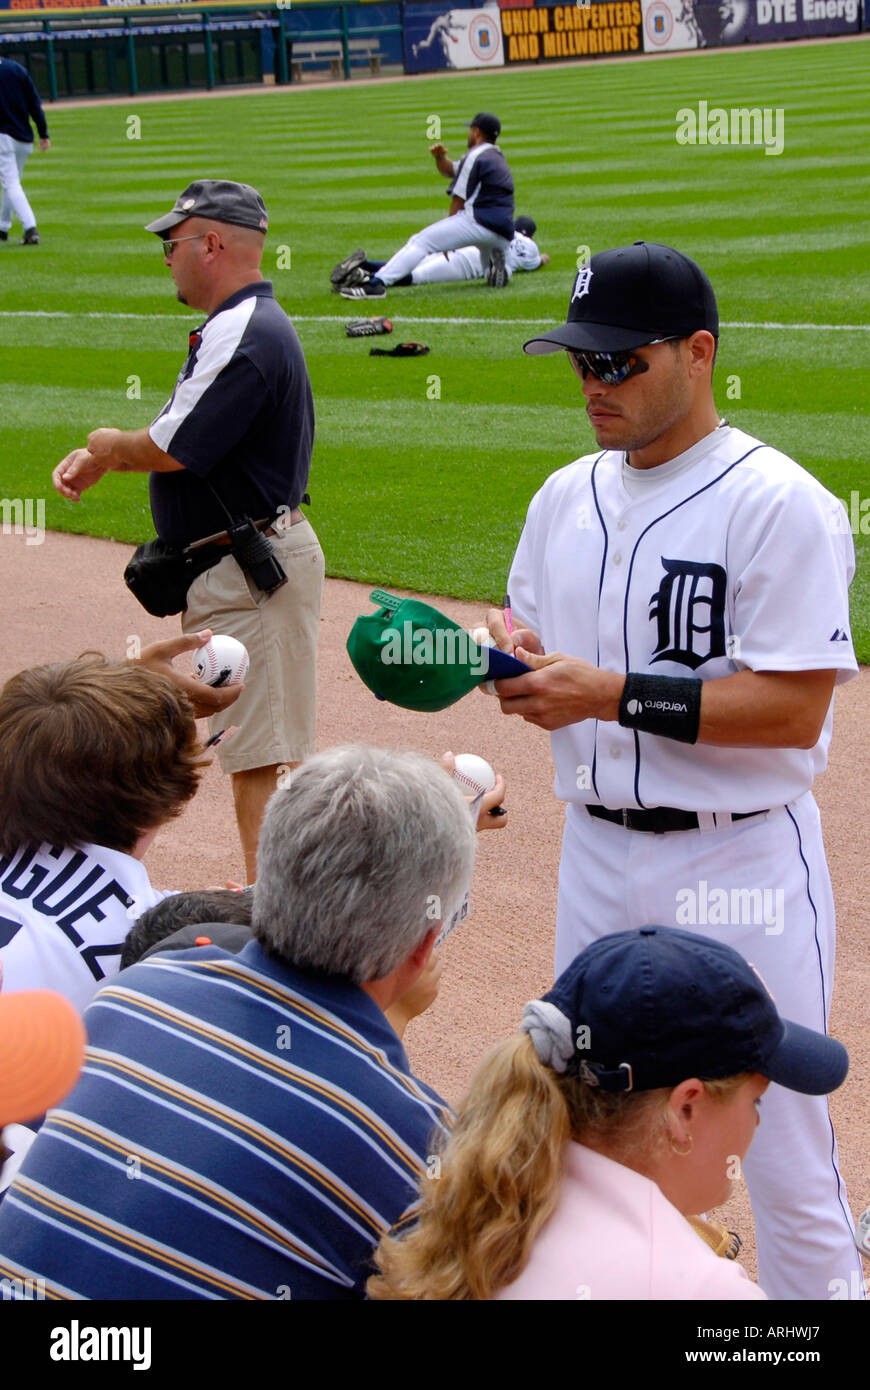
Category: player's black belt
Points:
column 660, row 820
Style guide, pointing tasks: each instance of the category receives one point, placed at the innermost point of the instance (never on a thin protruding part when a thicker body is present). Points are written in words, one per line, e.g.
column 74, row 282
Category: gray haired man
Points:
column 261, row 1099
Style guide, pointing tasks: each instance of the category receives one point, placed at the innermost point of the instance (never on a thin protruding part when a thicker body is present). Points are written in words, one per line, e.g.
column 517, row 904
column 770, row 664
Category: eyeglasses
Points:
column 169, row 246
column 614, row 367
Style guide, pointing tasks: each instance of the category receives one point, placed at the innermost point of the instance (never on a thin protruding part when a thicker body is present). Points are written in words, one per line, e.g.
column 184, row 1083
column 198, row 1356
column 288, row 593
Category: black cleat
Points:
column 344, row 267
column 369, row 290
column 4, row 236
column 355, row 277
column 497, row 275
column 31, row 237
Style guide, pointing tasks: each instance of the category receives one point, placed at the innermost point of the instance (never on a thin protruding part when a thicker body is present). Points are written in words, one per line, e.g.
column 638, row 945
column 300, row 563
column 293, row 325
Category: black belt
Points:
column 662, row 819
column 220, row 540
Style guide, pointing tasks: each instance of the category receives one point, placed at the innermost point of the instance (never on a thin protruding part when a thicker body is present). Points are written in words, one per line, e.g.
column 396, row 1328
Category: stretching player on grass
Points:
column 448, row 267
column 683, row 596
column 481, row 213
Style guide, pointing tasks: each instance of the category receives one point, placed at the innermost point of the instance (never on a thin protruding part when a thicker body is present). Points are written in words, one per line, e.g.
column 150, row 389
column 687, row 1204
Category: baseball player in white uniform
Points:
column 450, row 267
column 481, row 212
column 683, row 598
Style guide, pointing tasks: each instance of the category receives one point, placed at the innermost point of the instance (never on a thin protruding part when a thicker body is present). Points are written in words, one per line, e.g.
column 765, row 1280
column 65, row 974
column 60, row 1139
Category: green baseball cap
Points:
column 412, row 655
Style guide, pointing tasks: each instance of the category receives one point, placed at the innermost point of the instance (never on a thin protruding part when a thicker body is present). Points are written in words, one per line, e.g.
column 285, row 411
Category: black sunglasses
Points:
column 169, row 246
column 614, row 367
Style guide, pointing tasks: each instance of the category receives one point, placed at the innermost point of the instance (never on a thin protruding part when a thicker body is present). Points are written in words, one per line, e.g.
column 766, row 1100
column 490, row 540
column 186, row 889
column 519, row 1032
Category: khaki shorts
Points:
column 276, row 714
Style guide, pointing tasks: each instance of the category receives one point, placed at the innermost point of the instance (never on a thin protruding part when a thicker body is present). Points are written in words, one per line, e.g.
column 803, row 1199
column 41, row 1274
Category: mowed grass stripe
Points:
column 596, row 162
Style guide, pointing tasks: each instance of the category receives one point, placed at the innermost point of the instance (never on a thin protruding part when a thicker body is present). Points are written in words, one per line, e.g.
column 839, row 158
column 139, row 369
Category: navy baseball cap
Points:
column 651, row 1007
column 631, row 296
column 527, row 225
column 488, row 124
column 218, row 200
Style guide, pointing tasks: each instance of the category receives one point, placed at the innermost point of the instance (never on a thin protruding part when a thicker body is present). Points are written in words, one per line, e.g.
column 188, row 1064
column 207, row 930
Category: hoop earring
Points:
column 683, row 1153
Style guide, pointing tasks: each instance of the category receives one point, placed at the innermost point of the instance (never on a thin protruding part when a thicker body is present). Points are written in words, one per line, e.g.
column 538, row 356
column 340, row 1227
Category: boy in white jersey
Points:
column 95, row 757
column 683, row 597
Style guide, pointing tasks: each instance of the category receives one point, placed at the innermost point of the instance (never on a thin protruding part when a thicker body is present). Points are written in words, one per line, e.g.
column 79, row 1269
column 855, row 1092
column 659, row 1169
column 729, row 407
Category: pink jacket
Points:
column 614, row 1235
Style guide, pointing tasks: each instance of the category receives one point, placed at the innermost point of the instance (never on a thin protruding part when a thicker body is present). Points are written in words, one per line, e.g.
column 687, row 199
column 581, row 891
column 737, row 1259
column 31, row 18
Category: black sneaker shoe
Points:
column 497, row 275
column 368, row 291
column 31, row 237
column 349, row 263
column 355, row 277
column 4, row 236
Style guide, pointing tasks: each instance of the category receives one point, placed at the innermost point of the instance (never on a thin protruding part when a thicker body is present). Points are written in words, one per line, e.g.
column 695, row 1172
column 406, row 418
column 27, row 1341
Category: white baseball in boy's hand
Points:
column 222, row 661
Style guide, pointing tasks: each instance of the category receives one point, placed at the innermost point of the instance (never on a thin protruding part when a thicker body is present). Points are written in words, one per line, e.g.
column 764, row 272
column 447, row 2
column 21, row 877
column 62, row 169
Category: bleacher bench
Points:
column 330, row 51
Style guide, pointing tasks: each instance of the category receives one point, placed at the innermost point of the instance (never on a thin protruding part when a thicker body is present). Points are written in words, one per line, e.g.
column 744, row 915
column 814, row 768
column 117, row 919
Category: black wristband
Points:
column 669, row 706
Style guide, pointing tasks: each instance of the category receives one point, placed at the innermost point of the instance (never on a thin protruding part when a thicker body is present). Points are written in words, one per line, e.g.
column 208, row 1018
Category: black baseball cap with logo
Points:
column 659, row 1005
column 218, row 200
column 630, row 296
column 488, row 125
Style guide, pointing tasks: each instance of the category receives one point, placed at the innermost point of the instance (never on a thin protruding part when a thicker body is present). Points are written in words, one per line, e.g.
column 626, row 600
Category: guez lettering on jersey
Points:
column 62, row 897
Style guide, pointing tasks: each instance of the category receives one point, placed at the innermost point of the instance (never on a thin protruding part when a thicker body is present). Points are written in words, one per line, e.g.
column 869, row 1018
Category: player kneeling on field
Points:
column 588, row 1143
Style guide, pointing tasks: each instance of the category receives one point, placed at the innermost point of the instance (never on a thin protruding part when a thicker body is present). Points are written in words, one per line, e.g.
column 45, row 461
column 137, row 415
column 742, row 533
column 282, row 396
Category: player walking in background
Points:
column 234, row 438
column 19, row 105
column 450, row 267
column 689, row 585
column 481, row 212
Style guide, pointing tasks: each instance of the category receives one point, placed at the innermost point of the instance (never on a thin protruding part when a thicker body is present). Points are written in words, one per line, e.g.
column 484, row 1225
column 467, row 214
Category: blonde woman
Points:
column 589, row 1144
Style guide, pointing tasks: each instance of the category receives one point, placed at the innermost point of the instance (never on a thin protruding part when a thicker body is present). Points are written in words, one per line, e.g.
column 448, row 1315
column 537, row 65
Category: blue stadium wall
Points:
column 96, row 47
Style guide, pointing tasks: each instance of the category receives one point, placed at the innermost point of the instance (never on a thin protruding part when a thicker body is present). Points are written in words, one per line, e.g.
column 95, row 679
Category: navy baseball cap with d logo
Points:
column 631, row 296
column 649, row 1008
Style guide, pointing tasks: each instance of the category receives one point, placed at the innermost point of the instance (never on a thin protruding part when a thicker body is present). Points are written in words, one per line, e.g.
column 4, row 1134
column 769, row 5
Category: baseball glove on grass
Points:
column 400, row 350
column 365, row 328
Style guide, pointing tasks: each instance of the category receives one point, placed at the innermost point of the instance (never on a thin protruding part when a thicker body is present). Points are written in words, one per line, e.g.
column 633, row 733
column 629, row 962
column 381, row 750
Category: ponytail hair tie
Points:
column 550, row 1032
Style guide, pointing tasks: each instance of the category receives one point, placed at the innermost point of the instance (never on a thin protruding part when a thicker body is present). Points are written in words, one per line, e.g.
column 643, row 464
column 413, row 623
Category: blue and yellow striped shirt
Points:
column 242, row 1129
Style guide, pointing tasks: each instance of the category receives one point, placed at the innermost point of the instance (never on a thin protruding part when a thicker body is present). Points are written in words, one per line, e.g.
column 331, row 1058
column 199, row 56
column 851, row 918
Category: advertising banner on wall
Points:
column 556, row 32
column 670, row 24
column 437, row 37
column 682, row 24
column 801, row 19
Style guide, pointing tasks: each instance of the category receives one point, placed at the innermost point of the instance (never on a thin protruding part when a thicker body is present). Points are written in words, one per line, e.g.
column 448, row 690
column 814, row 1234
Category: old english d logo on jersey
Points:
column 581, row 284
column 689, row 610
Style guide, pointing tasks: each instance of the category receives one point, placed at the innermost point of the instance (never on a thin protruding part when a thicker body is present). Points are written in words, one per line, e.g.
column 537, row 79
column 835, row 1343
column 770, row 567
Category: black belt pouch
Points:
column 159, row 575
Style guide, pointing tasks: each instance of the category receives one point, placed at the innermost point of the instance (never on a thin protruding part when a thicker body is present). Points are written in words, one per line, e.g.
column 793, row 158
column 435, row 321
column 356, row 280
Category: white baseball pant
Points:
column 447, row 235
column 14, row 154
column 448, row 267
column 614, row 879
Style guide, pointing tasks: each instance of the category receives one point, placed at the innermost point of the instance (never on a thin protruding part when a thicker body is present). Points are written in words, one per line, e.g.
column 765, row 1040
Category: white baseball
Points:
column 474, row 774
column 222, row 661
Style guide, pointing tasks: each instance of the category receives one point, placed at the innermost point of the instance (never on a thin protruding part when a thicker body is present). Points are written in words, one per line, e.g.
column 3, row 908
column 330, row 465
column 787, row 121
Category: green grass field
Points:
column 431, row 493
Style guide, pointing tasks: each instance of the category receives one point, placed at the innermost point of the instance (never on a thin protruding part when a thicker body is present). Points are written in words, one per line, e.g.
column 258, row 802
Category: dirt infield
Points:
column 67, row 595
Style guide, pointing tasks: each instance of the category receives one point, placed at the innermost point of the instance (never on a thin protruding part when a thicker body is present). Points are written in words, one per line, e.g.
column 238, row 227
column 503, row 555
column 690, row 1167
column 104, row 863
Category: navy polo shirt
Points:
column 241, row 418
column 19, row 103
column 241, row 1130
column 484, row 181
